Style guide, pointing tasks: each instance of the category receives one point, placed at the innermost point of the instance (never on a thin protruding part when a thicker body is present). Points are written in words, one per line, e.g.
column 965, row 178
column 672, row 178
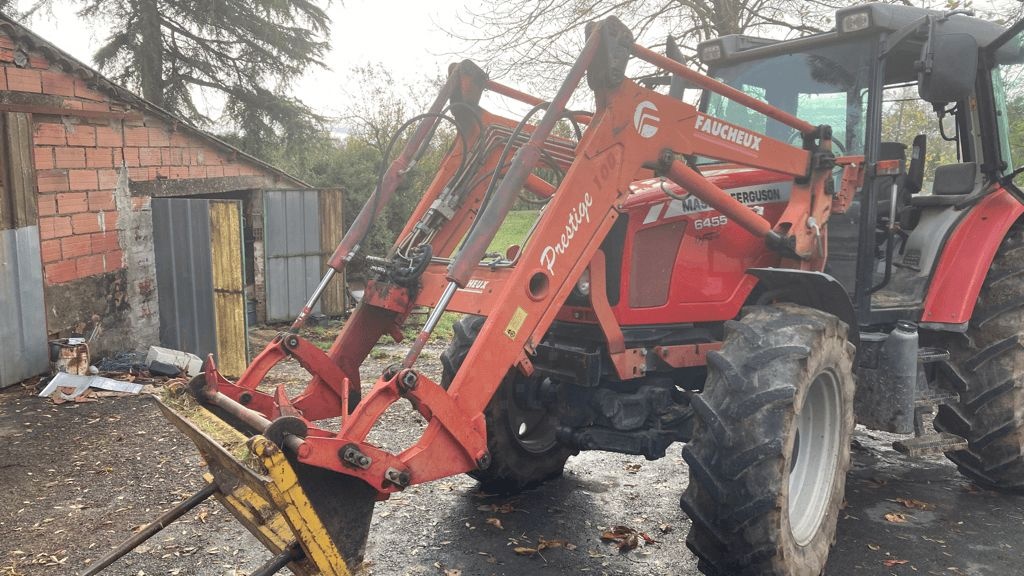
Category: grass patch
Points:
column 444, row 330
column 221, row 432
column 321, row 336
column 513, row 230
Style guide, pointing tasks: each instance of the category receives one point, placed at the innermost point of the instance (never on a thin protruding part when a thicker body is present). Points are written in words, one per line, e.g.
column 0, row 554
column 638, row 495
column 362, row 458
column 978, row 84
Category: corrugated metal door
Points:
column 199, row 271
column 23, row 350
column 293, row 250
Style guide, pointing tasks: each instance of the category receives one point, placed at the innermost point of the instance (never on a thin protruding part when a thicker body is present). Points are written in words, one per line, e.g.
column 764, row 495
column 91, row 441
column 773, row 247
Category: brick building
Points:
column 82, row 161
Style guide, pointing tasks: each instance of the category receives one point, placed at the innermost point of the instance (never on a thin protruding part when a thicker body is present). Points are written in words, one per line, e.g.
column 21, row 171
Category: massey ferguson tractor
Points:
column 749, row 276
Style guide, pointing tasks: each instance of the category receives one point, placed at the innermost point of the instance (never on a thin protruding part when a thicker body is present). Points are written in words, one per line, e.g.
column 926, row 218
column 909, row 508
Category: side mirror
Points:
column 948, row 68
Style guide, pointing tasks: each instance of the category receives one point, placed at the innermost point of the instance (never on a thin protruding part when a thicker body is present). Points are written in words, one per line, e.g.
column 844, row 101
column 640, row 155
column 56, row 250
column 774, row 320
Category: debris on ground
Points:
column 542, row 545
column 69, row 355
column 64, row 387
column 190, row 364
column 132, row 362
column 626, row 538
column 914, row 504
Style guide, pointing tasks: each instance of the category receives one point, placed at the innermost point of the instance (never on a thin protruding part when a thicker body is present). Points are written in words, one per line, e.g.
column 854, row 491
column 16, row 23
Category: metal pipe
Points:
column 666, row 63
column 429, row 325
column 151, row 529
column 277, row 563
column 300, row 320
column 210, row 396
column 718, row 199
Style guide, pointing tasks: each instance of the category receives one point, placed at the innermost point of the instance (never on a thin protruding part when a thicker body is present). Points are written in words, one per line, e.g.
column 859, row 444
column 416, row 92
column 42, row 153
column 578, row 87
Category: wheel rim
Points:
column 815, row 457
column 533, row 429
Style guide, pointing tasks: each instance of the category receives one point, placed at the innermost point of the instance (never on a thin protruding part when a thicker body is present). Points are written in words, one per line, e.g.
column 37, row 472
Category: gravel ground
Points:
column 78, row 477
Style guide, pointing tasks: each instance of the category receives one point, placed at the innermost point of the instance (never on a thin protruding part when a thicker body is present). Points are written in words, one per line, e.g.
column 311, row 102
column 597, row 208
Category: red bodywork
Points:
column 685, row 262
column 966, row 258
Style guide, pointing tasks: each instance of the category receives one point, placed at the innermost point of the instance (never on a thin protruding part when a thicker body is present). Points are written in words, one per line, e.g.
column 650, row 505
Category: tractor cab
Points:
column 897, row 86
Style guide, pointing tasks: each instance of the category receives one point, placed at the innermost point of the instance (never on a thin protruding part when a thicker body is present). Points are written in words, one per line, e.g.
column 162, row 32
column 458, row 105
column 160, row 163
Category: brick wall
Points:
column 78, row 164
column 94, row 221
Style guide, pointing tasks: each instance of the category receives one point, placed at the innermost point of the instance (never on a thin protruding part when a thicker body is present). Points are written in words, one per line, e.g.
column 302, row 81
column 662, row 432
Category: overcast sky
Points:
column 408, row 41
column 406, row 37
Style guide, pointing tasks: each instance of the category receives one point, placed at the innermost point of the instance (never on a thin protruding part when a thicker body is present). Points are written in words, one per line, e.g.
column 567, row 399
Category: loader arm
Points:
column 440, row 261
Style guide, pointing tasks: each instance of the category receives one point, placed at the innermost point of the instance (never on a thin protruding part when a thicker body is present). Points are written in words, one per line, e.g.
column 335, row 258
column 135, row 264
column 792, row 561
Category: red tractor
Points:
column 749, row 276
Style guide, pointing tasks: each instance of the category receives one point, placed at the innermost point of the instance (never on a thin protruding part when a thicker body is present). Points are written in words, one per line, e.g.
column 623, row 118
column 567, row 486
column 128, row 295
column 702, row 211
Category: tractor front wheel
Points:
column 520, row 438
column 771, row 448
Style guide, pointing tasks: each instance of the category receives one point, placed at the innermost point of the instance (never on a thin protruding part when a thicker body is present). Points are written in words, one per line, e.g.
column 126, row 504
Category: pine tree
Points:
column 247, row 52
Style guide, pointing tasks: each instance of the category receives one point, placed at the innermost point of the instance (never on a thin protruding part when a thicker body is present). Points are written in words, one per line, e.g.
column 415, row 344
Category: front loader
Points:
column 730, row 275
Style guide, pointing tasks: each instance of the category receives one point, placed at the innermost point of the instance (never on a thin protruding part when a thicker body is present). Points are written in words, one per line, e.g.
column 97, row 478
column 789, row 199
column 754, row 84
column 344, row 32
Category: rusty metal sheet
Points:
column 23, row 348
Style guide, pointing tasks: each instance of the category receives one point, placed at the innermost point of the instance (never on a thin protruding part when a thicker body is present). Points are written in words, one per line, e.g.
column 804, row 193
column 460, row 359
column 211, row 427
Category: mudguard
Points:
column 812, row 289
column 967, row 257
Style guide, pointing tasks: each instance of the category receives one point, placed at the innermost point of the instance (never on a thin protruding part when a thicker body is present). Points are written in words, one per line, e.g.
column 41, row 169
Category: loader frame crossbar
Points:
column 635, row 131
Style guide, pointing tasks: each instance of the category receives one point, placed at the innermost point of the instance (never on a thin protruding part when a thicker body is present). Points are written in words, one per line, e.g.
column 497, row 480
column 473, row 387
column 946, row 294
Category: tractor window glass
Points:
column 823, row 85
column 1008, row 85
column 739, row 114
column 905, row 116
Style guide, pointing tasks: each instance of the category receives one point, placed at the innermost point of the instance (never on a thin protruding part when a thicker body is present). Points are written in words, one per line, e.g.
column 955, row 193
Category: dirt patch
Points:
column 78, row 477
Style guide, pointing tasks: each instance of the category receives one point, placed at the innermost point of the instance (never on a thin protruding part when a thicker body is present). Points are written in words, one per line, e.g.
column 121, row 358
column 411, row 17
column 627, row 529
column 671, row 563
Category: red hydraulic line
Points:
column 666, row 63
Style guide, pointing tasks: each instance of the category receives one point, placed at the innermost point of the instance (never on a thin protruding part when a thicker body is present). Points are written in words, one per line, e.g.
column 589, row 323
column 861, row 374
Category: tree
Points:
column 533, row 41
column 246, row 52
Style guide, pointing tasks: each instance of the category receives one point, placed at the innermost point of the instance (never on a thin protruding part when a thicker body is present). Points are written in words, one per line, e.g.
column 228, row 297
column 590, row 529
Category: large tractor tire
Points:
column 990, row 360
column 771, row 448
column 521, row 439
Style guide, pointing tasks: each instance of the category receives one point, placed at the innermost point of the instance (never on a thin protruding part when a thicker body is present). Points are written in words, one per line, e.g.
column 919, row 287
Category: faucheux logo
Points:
column 727, row 132
column 645, row 119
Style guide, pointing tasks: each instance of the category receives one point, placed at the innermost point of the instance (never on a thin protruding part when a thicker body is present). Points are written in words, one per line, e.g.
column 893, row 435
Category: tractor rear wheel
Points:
column 520, row 438
column 771, row 449
column 990, row 359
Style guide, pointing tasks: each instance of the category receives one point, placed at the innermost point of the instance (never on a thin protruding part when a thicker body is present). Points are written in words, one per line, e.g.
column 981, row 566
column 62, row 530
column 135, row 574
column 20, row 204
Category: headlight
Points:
column 855, row 22
column 583, row 284
column 710, row 52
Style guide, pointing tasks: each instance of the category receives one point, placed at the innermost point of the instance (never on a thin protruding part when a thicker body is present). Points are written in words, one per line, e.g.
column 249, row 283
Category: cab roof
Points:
column 880, row 18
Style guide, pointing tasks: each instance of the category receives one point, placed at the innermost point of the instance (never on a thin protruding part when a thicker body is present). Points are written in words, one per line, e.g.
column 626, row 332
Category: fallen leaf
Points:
column 914, row 504
column 971, row 488
column 546, row 544
column 626, row 538
column 496, row 523
column 874, row 547
column 524, row 551
column 890, row 563
column 452, row 572
column 896, row 517
column 632, row 468
column 506, row 508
